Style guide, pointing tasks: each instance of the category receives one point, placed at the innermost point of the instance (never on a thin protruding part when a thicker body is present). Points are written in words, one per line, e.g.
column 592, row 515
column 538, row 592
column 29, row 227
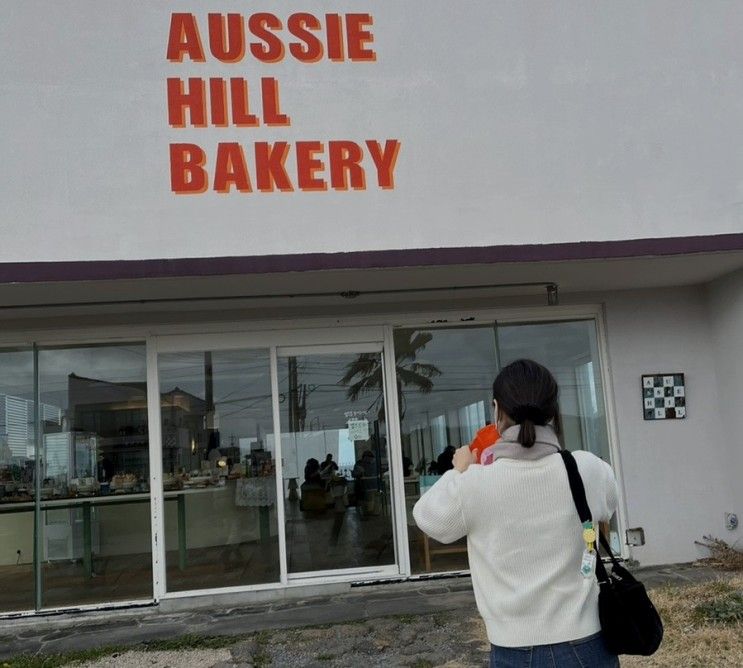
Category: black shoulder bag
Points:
column 630, row 624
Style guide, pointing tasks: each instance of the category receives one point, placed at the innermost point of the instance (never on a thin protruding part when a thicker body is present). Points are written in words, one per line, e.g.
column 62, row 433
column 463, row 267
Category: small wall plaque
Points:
column 664, row 396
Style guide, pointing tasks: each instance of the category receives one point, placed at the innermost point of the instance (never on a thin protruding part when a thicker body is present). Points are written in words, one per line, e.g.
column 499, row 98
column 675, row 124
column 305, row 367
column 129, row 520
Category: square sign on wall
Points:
column 664, row 396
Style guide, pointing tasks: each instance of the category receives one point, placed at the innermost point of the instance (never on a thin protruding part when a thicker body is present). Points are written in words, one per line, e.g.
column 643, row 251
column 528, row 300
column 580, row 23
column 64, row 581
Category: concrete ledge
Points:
column 232, row 614
column 239, row 599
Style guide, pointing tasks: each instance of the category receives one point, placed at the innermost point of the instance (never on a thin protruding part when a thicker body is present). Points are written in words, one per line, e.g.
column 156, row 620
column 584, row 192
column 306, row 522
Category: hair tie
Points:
column 529, row 412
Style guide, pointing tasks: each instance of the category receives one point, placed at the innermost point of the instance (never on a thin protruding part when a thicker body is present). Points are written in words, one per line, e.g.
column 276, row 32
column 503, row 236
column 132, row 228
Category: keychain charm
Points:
column 588, row 563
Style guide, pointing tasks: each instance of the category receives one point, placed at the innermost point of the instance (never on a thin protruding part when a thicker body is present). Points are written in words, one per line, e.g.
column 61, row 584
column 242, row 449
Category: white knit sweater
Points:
column 524, row 541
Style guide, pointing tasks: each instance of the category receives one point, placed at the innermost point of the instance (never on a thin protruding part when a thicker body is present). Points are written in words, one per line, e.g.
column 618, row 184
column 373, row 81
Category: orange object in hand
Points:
column 484, row 438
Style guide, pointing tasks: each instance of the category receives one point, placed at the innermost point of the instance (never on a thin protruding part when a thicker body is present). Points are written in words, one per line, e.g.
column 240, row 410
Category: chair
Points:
column 432, row 547
column 313, row 498
column 429, row 546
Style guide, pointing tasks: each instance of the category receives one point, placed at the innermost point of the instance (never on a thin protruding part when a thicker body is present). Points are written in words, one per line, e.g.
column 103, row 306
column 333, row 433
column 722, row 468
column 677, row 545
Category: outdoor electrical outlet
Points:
column 731, row 521
column 635, row 537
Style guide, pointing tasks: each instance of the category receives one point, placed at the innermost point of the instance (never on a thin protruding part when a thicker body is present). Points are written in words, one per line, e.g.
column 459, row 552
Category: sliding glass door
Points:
column 219, row 469
column 336, row 472
column 444, row 383
column 243, row 507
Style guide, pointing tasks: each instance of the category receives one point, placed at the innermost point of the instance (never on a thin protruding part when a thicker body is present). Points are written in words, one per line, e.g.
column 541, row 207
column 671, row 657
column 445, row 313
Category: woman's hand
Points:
column 463, row 457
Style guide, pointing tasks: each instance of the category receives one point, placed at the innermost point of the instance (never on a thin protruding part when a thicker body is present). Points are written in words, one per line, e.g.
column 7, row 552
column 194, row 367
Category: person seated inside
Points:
column 313, row 494
column 312, row 475
column 366, row 483
column 407, row 466
column 445, row 460
column 328, row 468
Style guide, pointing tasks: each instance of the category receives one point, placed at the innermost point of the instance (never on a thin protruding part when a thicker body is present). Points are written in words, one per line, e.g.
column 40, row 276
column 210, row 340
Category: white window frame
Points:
column 312, row 331
column 537, row 315
column 280, row 344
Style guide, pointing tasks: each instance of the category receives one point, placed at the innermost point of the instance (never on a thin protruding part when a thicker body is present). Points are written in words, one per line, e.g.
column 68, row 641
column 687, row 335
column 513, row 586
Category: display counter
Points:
column 196, row 517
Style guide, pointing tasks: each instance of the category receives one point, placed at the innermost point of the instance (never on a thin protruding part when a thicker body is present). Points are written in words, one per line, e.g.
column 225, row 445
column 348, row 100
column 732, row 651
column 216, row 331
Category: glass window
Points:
column 570, row 351
column 336, row 470
column 16, row 481
column 95, row 532
column 445, row 379
column 219, row 480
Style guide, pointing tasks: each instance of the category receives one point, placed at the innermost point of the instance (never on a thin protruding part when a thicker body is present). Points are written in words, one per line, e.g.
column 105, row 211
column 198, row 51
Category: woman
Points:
column 312, row 473
column 525, row 554
column 328, row 468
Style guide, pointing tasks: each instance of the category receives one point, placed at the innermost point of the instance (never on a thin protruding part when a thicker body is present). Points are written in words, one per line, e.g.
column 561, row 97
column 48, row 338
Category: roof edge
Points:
column 93, row 270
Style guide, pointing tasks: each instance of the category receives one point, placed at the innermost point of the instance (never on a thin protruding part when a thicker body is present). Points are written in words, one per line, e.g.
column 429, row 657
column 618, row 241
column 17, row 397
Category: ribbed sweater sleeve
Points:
column 439, row 511
column 600, row 483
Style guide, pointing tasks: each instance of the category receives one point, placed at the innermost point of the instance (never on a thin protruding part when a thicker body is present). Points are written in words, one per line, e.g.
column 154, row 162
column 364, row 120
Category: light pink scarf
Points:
column 509, row 447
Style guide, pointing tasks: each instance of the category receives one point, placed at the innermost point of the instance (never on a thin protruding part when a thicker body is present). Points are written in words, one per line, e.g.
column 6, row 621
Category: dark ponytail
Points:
column 527, row 393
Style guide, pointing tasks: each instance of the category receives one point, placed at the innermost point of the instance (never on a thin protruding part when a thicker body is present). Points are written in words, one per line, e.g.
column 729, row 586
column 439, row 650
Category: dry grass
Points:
column 691, row 640
column 722, row 555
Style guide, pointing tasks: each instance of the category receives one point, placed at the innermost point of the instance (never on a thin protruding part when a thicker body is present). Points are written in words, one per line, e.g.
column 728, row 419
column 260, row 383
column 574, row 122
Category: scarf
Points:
column 509, row 447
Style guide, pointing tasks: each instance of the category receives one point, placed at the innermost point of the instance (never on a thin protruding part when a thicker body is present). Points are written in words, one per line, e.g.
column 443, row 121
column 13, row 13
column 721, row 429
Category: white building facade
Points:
column 240, row 239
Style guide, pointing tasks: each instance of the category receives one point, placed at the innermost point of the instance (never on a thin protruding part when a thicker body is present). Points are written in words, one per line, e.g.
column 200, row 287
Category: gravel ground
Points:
column 696, row 637
column 442, row 639
column 199, row 658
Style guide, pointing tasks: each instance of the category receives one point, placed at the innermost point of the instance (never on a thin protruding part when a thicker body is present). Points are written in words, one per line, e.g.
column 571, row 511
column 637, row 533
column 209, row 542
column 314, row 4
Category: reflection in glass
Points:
column 16, row 481
column 219, row 480
column 336, row 471
column 570, row 351
column 445, row 378
column 453, row 400
column 95, row 531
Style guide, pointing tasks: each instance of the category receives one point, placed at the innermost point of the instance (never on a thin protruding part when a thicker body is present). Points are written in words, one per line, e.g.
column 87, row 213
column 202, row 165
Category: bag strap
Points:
column 607, row 549
column 578, row 490
column 576, row 486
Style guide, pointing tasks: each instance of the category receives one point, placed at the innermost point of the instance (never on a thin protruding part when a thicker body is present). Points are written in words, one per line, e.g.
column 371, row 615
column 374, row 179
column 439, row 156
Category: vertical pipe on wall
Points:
column 38, row 472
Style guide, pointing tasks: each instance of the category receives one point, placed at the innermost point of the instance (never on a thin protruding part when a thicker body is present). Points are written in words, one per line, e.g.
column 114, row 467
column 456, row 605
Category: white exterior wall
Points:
column 677, row 473
column 725, row 314
column 519, row 123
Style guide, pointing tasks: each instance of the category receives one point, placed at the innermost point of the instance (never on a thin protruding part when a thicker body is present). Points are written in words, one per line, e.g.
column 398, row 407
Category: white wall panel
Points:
column 726, row 319
column 676, row 472
column 533, row 122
